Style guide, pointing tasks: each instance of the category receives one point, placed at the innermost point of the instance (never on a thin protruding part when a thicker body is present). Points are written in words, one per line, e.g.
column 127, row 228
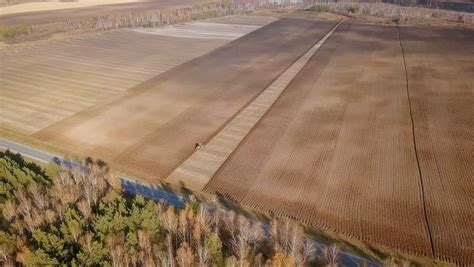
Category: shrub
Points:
column 319, row 8
column 353, row 9
column 10, row 31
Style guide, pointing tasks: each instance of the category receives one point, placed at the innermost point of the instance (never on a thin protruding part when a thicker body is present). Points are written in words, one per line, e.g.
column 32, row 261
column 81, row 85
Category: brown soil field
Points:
column 154, row 127
column 44, row 84
column 53, row 16
column 336, row 150
column 441, row 84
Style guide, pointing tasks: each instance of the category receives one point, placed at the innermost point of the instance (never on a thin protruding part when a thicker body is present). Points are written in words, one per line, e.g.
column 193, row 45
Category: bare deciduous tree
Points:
column 331, row 255
column 115, row 242
column 184, row 255
column 25, row 205
column 38, row 194
column 9, row 210
column 145, row 241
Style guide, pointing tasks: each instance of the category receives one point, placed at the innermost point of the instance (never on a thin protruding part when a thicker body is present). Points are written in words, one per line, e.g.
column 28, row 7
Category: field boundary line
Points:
column 200, row 167
column 28, row 151
column 422, row 188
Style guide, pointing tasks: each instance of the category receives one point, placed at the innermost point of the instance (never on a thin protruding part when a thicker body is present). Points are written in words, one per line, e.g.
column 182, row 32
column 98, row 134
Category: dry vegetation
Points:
column 395, row 14
column 403, row 14
column 75, row 215
column 148, row 18
column 159, row 17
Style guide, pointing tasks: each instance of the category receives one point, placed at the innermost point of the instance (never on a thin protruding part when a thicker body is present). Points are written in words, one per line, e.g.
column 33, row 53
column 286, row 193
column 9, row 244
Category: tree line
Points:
column 63, row 215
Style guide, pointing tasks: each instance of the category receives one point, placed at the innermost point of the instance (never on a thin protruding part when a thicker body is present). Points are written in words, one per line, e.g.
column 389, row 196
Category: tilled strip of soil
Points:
column 440, row 67
column 153, row 128
column 336, row 149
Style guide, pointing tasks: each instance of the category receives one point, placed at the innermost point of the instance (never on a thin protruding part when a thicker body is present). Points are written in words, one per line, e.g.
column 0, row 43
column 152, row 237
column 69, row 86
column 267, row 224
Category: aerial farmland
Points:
column 355, row 125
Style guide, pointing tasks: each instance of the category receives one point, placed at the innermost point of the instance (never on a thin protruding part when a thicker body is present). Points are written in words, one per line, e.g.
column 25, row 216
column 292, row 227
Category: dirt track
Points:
column 43, row 17
column 336, row 150
column 155, row 126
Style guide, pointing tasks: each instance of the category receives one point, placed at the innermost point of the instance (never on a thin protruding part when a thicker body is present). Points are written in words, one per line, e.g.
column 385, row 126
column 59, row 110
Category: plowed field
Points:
column 42, row 85
column 441, row 83
column 337, row 150
column 154, row 127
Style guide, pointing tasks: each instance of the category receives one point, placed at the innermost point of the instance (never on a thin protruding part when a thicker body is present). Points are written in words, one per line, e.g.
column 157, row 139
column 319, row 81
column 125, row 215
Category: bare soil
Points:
column 441, row 84
column 154, row 127
column 336, row 150
column 43, row 84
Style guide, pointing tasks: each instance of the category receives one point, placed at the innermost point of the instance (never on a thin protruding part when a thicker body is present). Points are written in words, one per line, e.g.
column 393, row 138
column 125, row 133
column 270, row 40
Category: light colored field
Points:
column 153, row 128
column 56, row 5
column 42, row 85
column 203, row 30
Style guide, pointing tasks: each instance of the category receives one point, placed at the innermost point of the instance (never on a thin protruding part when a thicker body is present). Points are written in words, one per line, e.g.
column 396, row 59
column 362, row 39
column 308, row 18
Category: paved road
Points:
column 27, row 151
column 152, row 192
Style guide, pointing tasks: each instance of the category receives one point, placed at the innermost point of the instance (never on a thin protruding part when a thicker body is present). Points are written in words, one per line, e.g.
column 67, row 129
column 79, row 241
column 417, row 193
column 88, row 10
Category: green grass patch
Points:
column 10, row 31
column 319, row 8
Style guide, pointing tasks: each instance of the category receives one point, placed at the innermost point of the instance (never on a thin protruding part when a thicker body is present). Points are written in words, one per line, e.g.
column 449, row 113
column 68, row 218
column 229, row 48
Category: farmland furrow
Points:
column 440, row 80
column 422, row 187
column 18, row 77
column 198, row 169
column 335, row 150
column 77, row 94
column 80, row 72
column 188, row 104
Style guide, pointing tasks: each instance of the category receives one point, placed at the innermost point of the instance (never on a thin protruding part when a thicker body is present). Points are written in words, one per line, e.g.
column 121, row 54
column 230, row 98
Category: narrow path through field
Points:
column 201, row 166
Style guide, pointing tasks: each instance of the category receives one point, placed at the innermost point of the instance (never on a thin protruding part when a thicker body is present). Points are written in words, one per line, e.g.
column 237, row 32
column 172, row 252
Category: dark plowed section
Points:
column 363, row 146
column 52, row 16
column 336, row 149
column 440, row 67
column 154, row 128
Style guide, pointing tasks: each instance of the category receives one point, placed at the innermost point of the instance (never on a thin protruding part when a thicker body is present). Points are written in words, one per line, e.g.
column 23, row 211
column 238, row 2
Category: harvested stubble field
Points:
column 44, row 84
column 54, row 16
column 336, row 150
column 156, row 124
